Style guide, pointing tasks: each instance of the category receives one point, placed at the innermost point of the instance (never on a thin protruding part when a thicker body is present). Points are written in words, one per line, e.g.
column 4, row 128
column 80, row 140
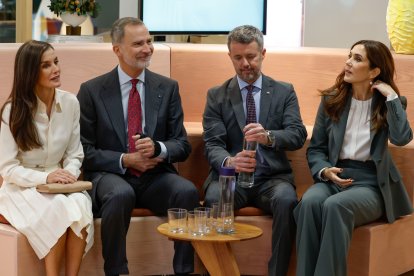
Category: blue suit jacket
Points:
column 103, row 130
column 327, row 140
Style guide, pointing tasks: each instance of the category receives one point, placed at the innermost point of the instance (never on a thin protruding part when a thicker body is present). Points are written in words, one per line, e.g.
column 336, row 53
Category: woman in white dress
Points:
column 40, row 143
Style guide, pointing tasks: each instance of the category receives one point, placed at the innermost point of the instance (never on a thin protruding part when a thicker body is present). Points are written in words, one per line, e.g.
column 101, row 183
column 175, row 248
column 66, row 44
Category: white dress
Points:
column 44, row 218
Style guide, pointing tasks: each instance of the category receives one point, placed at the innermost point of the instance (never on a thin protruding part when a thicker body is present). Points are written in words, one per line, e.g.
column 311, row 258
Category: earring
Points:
column 371, row 83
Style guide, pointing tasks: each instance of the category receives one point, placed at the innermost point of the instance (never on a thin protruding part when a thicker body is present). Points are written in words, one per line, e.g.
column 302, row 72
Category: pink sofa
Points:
column 377, row 249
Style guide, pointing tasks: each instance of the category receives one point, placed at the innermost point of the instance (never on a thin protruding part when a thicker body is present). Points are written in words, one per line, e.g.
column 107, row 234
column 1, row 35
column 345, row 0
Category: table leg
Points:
column 217, row 257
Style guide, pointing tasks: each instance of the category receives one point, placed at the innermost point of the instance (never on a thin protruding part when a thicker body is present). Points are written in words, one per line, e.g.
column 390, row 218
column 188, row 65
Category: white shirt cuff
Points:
column 392, row 97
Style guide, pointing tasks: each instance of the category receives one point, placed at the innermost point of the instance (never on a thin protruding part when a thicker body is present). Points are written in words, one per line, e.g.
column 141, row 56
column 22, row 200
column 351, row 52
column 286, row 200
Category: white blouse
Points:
column 59, row 137
column 357, row 139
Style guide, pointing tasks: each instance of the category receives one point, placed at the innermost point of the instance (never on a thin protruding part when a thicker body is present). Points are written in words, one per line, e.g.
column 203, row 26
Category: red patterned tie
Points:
column 134, row 118
column 250, row 106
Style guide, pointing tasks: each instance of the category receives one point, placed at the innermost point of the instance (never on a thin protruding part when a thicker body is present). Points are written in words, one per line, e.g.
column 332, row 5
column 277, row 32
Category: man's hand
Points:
column 244, row 161
column 139, row 162
column 144, row 146
column 255, row 132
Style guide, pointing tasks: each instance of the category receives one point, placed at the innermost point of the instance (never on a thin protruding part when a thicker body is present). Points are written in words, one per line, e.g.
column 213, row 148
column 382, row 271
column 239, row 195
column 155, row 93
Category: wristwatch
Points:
column 270, row 138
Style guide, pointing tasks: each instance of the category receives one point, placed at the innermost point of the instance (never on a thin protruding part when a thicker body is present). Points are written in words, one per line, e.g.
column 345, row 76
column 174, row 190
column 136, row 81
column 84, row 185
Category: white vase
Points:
column 73, row 19
column 400, row 25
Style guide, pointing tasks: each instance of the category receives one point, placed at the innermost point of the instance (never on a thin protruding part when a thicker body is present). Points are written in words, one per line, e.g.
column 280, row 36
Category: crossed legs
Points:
column 73, row 247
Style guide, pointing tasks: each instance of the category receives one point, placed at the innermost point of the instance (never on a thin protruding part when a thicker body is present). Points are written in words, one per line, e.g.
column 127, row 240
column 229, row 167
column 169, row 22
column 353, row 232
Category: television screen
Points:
column 163, row 17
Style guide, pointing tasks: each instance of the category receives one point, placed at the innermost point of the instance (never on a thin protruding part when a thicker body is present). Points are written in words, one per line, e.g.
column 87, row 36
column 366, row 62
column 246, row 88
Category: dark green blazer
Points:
column 326, row 144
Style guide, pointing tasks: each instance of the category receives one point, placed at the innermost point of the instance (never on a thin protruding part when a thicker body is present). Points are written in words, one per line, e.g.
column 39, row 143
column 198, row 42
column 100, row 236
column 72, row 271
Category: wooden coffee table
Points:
column 214, row 249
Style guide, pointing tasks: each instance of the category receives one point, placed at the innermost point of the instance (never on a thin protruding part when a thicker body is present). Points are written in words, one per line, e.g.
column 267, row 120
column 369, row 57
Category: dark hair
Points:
column 22, row 98
column 379, row 56
column 245, row 34
column 118, row 28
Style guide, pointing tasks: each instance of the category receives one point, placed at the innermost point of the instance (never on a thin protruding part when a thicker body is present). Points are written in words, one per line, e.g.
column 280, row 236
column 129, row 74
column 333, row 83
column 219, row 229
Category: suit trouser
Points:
column 273, row 196
column 117, row 196
column 326, row 217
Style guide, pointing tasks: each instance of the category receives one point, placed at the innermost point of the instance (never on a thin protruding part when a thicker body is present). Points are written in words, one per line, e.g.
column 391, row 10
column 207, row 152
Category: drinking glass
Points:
column 177, row 220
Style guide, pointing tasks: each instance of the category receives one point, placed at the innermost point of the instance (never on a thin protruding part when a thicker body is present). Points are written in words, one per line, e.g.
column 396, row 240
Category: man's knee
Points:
column 284, row 204
column 118, row 196
column 189, row 187
column 185, row 194
column 190, row 192
column 212, row 195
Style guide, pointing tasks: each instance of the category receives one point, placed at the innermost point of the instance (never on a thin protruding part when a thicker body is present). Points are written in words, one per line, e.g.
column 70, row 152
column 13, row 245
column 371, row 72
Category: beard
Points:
column 139, row 64
column 249, row 77
column 143, row 64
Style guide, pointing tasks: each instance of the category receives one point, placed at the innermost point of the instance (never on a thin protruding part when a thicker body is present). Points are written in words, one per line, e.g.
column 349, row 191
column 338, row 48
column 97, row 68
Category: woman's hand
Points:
column 384, row 88
column 60, row 176
column 332, row 175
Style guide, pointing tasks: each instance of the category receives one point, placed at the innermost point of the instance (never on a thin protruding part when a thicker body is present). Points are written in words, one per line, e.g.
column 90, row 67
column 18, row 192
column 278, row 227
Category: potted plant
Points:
column 74, row 12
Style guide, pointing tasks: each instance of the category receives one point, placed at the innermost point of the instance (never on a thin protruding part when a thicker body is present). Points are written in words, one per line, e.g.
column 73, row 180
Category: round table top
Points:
column 242, row 232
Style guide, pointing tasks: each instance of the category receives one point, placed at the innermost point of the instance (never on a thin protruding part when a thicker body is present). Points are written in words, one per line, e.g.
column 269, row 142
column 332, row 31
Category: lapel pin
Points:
column 268, row 92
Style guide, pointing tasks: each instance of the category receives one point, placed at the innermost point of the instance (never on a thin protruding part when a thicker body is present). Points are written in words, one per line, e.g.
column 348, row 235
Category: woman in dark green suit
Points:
column 356, row 181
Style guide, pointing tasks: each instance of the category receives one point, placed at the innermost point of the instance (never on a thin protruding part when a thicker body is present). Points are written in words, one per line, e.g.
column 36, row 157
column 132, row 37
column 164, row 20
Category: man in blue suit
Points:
column 132, row 132
column 276, row 126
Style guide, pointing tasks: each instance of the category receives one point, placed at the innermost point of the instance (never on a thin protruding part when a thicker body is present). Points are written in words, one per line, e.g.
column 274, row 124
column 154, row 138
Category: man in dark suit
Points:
column 132, row 132
column 277, row 126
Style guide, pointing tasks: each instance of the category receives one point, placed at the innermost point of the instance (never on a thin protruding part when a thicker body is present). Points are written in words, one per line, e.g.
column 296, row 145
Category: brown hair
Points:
column 22, row 98
column 379, row 56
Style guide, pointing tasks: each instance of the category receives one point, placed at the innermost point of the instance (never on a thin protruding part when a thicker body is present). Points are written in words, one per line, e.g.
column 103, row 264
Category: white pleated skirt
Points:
column 44, row 218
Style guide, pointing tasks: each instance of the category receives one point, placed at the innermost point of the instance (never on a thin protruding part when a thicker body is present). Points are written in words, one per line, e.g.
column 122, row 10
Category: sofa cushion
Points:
column 3, row 220
column 141, row 212
column 249, row 211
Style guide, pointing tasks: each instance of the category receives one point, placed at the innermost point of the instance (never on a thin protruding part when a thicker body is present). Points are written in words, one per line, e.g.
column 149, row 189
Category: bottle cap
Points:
column 227, row 171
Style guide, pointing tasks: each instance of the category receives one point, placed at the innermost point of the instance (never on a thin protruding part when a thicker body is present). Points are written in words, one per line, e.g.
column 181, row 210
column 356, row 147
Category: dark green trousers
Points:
column 326, row 217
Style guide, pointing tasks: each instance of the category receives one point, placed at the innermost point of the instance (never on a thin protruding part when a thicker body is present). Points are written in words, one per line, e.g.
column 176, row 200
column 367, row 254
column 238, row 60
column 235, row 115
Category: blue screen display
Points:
column 201, row 16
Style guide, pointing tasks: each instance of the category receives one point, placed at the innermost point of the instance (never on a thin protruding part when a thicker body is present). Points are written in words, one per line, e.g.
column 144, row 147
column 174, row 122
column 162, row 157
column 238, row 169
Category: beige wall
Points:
column 340, row 23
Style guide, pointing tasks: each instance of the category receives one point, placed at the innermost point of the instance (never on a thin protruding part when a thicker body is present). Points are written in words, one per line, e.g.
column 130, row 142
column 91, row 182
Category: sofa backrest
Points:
column 79, row 62
column 198, row 67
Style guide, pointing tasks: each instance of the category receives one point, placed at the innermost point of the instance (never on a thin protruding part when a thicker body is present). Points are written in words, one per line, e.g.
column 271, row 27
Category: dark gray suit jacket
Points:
column 326, row 144
column 103, row 130
column 224, row 120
